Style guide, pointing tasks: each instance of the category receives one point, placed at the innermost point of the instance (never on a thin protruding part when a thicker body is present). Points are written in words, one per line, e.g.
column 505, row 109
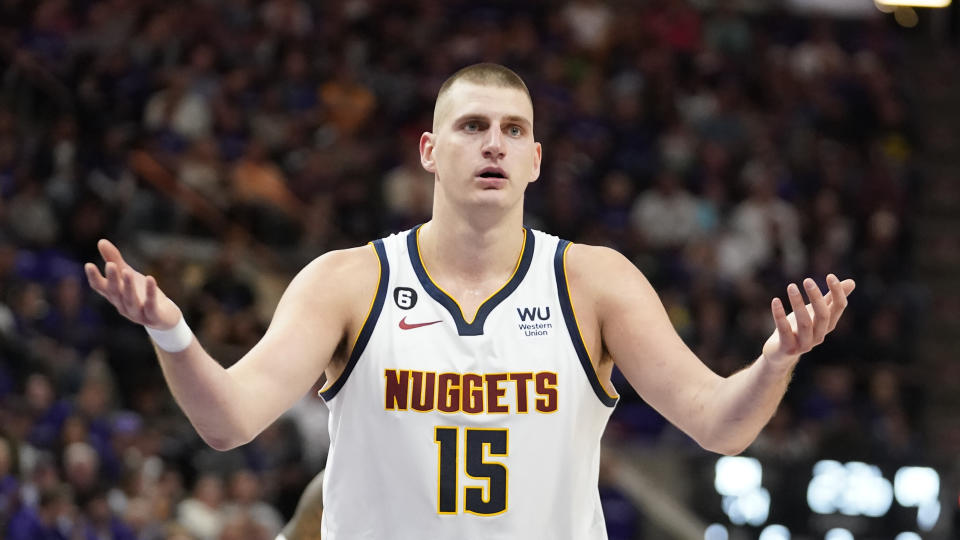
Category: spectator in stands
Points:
column 666, row 216
column 202, row 514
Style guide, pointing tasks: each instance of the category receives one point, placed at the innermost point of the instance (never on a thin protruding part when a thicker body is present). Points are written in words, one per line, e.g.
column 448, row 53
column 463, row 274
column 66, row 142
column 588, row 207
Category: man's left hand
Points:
column 807, row 326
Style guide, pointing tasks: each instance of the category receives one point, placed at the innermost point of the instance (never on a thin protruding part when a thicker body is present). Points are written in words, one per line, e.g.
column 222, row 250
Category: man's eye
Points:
column 471, row 126
column 515, row 131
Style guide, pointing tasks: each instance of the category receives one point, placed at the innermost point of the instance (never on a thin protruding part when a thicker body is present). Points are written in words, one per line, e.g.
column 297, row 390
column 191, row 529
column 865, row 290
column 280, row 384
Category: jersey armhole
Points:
column 573, row 327
column 363, row 336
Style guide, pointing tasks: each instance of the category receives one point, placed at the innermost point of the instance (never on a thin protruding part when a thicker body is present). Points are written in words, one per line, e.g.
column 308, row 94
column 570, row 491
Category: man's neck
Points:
column 472, row 250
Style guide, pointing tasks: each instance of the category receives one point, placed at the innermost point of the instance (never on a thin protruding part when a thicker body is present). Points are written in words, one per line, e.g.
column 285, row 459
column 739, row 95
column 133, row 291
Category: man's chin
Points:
column 495, row 199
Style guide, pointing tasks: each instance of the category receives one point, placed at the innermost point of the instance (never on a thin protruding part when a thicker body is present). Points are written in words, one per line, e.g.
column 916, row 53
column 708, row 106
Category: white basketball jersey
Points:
column 443, row 428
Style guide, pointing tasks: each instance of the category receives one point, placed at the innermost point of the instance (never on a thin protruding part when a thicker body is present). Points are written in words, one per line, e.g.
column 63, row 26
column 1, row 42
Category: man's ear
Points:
column 536, row 162
column 426, row 152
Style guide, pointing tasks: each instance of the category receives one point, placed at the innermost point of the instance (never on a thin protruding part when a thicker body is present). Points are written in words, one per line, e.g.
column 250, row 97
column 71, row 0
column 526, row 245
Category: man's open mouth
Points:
column 491, row 172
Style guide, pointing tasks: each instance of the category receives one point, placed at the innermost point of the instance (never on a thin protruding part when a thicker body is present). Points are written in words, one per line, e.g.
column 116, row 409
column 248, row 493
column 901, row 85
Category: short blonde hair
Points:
column 484, row 74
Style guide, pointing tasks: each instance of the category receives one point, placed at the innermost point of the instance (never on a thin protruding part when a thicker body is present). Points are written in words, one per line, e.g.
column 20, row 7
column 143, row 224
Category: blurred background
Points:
column 726, row 147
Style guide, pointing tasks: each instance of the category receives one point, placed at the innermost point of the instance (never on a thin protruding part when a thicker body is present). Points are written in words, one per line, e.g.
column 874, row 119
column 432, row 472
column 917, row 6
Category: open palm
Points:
column 807, row 326
column 136, row 296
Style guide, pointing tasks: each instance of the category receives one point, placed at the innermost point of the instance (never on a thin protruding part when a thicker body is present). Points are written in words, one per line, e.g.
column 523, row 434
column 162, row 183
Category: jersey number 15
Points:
column 479, row 442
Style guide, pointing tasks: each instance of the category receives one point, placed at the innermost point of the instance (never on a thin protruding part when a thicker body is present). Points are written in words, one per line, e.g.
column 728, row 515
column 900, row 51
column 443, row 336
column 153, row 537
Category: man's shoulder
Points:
column 347, row 271
column 591, row 262
column 352, row 257
column 609, row 282
column 598, row 271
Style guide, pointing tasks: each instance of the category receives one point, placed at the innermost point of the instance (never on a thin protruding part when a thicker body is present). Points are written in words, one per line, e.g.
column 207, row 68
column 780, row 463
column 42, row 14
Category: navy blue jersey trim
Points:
column 474, row 328
column 566, row 306
column 367, row 329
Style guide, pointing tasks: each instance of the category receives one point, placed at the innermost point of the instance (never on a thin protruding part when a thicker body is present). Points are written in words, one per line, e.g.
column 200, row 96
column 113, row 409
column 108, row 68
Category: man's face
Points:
column 482, row 149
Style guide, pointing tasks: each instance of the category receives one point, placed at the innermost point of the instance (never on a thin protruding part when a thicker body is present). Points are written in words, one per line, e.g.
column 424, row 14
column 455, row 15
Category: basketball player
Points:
column 469, row 358
column 307, row 518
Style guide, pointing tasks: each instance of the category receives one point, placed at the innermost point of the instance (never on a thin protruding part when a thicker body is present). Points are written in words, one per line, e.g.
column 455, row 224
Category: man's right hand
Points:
column 135, row 296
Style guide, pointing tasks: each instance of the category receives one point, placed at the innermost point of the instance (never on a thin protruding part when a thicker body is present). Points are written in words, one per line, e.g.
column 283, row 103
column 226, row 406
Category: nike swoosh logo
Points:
column 404, row 325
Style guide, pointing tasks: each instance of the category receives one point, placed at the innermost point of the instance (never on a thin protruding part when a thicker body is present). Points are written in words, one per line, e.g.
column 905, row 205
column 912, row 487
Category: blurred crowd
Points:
column 225, row 143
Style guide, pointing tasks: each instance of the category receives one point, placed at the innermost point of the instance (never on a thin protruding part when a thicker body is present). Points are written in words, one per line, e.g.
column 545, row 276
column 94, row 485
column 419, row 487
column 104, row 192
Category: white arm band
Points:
column 173, row 340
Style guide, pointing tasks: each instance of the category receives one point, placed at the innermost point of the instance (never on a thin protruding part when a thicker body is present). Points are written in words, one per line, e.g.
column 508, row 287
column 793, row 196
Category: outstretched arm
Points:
column 723, row 414
column 229, row 407
column 748, row 399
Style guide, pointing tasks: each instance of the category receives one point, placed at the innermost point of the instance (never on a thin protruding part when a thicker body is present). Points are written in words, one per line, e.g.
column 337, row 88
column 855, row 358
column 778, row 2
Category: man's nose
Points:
column 493, row 143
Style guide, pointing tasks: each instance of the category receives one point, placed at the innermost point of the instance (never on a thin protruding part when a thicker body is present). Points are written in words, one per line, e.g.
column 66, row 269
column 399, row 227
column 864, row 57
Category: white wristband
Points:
column 173, row 340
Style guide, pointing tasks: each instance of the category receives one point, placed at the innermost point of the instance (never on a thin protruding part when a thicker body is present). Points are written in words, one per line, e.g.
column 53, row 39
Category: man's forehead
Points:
column 467, row 98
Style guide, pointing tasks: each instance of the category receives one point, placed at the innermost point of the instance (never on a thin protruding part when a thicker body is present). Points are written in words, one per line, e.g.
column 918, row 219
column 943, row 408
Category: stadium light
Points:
column 854, row 489
column 851, row 489
column 716, row 532
column 915, row 3
column 920, row 487
column 914, row 486
column 775, row 532
column 737, row 475
column 838, row 534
